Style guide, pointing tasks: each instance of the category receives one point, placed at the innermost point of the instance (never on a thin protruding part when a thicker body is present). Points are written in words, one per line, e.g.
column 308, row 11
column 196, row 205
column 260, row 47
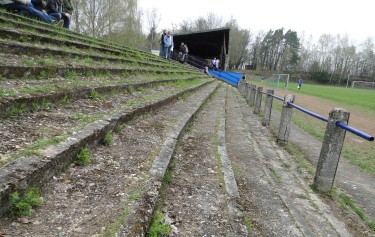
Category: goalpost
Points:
column 363, row 84
column 278, row 81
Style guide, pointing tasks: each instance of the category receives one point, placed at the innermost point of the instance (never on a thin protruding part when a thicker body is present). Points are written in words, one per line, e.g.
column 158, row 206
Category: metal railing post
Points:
column 258, row 100
column 331, row 150
column 285, row 120
column 268, row 108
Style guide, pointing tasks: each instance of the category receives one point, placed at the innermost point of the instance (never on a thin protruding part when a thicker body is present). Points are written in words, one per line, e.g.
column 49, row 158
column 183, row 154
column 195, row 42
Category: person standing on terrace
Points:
column 167, row 44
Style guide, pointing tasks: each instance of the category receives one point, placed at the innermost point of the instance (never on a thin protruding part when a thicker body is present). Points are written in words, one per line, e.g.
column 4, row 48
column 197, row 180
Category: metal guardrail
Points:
column 334, row 134
column 355, row 131
column 318, row 116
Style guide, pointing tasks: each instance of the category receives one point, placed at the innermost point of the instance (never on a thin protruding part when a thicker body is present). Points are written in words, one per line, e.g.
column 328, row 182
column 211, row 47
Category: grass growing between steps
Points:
column 302, row 164
column 71, row 82
column 145, row 96
column 158, row 228
column 348, row 206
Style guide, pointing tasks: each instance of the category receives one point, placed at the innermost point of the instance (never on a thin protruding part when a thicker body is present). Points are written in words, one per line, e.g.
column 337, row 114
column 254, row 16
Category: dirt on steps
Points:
column 269, row 195
column 59, row 120
column 196, row 202
column 274, row 198
column 96, row 199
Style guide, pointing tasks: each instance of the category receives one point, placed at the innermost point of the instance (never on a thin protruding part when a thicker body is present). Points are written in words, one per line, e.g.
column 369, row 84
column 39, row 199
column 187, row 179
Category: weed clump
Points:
column 83, row 157
column 95, row 95
column 22, row 206
column 108, row 138
column 158, row 228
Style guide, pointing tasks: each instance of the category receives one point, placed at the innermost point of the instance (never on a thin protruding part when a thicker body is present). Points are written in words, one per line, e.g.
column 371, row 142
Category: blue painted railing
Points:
column 230, row 77
column 338, row 123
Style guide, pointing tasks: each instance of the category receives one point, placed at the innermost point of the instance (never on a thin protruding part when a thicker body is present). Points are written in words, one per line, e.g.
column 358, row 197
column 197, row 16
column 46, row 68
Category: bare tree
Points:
column 115, row 20
column 238, row 45
column 153, row 20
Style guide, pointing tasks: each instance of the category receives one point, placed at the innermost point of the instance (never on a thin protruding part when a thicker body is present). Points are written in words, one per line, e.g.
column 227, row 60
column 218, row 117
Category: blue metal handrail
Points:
column 354, row 131
column 318, row 116
column 277, row 97
column 338, row 123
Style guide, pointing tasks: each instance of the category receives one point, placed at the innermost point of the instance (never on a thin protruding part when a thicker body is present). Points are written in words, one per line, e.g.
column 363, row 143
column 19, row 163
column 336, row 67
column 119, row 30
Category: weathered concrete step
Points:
column 17, row 34
column 10, row 72
column 62, row 37
column 117, row 186
column 350, row 180
column 35, row 170
column 24, row 132
column 137, row 224
column 32, row 102
column 200, row 199
column 279, row 201
column 19, row 48
column 46, row 29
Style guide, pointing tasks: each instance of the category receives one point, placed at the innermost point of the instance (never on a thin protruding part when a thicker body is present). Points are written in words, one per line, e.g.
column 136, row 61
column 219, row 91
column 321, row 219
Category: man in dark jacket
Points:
column 57, row 6
column 183, row 52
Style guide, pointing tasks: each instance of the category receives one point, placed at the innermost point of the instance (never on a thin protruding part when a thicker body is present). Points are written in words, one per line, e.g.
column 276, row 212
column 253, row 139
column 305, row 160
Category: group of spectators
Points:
column 53, row 11
column 167, row 47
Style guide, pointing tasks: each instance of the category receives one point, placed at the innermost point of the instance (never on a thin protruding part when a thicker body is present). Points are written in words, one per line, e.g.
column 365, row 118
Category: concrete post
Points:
column 268, row 108
column 258, row 100
column 247, row 94
column 245, row 84
column 285, row 120
column 331, row 150
column 240, row 86
column 252, row 96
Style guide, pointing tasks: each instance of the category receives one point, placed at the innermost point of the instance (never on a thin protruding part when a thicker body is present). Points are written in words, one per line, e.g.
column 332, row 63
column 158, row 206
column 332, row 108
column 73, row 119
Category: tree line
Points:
column 332, row 59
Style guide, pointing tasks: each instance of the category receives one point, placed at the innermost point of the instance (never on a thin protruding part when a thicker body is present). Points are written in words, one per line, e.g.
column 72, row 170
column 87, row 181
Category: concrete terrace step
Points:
column 15, row 34
column 55, row 93
column 35, row 170
column 133, row 150
column 46, row 29
column 276, row 184
column 19, row 48
column 21, row 131
column 50, row 71
column 200, row 198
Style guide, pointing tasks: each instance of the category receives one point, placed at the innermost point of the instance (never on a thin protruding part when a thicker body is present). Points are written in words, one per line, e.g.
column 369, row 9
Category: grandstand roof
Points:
column 205, row 44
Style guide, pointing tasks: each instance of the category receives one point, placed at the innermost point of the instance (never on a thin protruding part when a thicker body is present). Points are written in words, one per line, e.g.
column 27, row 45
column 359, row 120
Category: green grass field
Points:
column 362, row 98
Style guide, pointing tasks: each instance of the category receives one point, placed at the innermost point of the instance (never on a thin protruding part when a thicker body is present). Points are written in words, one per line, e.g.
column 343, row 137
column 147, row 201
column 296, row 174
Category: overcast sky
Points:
column 354, row 18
